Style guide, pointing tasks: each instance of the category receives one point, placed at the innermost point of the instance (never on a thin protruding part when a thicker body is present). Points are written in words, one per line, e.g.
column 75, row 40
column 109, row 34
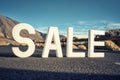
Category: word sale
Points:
column 53, row 34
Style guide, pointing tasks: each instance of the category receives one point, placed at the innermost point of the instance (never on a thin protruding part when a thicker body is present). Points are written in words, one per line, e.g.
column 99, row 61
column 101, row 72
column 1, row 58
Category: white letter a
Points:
column 52, row 34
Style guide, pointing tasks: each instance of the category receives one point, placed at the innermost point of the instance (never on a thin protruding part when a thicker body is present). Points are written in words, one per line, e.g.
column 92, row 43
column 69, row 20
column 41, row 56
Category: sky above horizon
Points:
column 61, row 13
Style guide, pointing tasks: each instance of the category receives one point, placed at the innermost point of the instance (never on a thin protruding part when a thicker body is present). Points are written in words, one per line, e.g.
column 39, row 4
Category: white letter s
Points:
column 16, row 35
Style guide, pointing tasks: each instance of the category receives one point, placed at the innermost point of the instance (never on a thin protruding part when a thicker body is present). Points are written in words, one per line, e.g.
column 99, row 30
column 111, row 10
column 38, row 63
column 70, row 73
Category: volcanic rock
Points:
column 111, row 45
column 82, row 47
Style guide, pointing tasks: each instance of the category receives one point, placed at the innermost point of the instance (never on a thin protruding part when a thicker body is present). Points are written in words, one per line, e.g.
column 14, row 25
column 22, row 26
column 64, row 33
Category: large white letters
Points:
column 16, row 35
column 53, row 42
column 52, row 35
column 92, row 43
column 69, row 50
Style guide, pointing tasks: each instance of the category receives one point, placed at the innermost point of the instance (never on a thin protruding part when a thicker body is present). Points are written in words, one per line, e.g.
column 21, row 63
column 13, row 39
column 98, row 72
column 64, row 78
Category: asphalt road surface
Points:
column 52, row 68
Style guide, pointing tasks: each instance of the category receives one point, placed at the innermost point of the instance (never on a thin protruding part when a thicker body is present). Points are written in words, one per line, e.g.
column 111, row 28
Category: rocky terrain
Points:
column 6, row 26
column 111, row 37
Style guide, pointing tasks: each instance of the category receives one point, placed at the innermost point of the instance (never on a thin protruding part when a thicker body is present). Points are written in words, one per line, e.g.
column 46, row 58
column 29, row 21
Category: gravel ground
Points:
column 52, row 68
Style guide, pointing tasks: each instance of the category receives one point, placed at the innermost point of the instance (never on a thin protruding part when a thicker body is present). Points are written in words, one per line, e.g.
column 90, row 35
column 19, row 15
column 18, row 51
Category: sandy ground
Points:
column 52, row 68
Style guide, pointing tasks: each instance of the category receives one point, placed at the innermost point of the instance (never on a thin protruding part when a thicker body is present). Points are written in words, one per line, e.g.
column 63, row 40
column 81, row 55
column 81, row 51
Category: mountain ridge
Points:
column 6, row 26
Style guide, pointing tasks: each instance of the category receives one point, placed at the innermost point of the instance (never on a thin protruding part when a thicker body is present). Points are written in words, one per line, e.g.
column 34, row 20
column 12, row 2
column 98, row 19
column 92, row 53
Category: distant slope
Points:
column 6, row 26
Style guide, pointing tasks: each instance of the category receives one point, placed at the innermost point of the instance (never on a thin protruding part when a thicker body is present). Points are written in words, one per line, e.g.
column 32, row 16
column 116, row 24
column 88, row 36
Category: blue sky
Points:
column 61, row 13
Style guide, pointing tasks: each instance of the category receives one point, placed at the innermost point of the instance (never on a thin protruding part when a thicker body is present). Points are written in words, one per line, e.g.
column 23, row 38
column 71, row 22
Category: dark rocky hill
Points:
column 6, row 26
